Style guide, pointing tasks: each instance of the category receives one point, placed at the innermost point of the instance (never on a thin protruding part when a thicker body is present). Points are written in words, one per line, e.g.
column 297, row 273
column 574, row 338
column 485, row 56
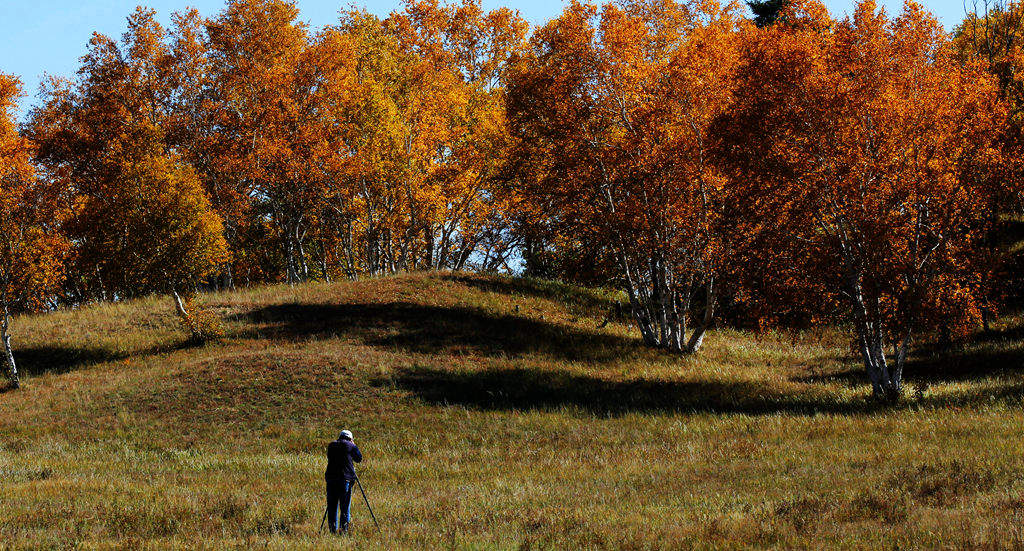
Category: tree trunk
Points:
column 660, row 308
column 5, row 336
column 325, row 270
column 303, row 265
column 428, row 246
column 463, row 258
column 227, row 278
column 886, row 384
column 289, row 260
column 697, row 338
column 179, row 306
column 637, row 306
column 897, row 370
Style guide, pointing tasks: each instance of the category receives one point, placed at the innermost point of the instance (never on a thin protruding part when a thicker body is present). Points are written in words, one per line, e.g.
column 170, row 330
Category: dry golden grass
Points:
column 493, row 415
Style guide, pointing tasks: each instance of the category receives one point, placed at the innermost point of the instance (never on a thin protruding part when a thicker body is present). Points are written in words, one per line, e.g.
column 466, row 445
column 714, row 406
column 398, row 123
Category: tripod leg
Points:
column 367, row 501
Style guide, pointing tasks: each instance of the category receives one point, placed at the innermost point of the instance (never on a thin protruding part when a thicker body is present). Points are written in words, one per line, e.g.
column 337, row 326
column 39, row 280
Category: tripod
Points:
column 365, row 500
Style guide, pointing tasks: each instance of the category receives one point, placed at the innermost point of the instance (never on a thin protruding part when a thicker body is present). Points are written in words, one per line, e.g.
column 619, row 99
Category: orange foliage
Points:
column 141, row 222
column 667, row 147
column 32, row 248
column 872, row 147
column 611, row 109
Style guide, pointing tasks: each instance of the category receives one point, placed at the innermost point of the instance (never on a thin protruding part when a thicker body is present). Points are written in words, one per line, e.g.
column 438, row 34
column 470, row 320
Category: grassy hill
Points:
column 494, row 414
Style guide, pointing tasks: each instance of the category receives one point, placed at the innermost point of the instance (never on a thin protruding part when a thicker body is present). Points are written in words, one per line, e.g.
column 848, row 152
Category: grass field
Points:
column 493, row 414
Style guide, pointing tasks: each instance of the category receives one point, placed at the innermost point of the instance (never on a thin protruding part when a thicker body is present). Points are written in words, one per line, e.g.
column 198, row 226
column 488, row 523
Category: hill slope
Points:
column 493, row 414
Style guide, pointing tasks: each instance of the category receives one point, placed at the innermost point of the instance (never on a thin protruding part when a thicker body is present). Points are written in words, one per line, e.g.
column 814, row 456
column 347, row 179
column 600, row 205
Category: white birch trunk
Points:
column 886, row 384
column 658, row 310
column 179, row 306
column 697, row 338
column 5, row 336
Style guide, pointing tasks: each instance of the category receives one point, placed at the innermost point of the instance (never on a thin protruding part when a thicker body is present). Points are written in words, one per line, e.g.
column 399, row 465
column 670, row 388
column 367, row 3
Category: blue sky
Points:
column 48, row 36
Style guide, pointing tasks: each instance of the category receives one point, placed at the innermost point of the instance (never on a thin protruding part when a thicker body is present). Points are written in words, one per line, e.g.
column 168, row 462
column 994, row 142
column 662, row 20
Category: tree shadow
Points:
column 441, row 330
column 966, row 365
column 58, row 359
column 526, row 390
column 588, row 299
column 995, row 353
column 518, row 389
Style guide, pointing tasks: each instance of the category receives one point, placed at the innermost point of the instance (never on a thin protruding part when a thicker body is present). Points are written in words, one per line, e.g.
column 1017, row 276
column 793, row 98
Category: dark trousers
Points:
column 339, row 495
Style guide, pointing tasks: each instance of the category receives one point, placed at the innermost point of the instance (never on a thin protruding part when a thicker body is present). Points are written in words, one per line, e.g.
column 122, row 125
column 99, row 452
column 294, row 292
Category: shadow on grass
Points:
column 589, row 299
column 966, row 365
column 997, row 353
column 525, row 390
column 442, row 330
column 62, row 359
column 39, row 360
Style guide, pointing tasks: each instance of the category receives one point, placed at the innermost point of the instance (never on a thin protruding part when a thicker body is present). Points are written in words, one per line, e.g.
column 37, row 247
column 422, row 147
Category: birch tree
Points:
column 611, row 108
column 473, row 48
column 32, row 247
column 141, row 222
column 870, row 148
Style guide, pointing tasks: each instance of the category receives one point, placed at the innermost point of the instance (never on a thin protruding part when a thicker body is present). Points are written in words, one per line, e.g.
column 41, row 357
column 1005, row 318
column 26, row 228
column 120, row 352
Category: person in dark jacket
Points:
column 340, row 476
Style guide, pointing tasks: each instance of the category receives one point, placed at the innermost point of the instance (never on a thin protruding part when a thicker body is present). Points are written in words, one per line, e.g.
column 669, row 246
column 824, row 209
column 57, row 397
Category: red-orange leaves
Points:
column 866, row 141
column 141, row 222
column 32, row 248
column 611, row 108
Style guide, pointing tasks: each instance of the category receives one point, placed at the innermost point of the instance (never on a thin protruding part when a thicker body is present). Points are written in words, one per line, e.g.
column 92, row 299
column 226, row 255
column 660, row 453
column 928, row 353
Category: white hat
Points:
column 346, row 434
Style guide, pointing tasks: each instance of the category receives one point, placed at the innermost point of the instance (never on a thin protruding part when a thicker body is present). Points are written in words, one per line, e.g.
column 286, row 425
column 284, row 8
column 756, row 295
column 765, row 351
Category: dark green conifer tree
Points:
column 766, row 12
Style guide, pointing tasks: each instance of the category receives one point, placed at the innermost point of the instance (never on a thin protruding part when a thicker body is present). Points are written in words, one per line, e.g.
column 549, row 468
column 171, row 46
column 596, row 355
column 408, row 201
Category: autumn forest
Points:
column 784, row 169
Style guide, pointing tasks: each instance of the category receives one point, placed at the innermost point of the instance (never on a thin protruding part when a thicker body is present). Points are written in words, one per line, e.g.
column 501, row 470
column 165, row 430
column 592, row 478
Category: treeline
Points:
column 787, row 169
